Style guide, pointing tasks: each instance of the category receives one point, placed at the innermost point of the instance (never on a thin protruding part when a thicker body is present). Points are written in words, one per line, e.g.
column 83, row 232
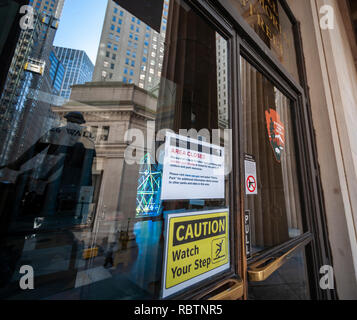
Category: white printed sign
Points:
column 192, row 169
column 251, row 182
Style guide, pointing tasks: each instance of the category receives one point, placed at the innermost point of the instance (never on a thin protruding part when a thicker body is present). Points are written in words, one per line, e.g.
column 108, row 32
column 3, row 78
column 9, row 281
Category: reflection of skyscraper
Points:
column 50, row 7
column 9, row 35
column 30, row 87
column 78, row 68
column 130, row 51
column 222, row 81
column 56, row 72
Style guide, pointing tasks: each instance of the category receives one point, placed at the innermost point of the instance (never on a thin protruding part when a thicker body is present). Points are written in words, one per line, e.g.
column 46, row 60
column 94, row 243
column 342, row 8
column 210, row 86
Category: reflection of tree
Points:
column 149, row 185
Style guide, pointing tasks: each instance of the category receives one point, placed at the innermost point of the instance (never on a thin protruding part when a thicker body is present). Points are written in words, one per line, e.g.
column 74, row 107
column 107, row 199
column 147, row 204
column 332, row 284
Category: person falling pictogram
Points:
column 219, row 250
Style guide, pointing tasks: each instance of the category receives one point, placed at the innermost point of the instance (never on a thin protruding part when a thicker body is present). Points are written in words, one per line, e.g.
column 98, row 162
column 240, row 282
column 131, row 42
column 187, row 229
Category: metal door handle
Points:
column 263, row 269
column 234, row 291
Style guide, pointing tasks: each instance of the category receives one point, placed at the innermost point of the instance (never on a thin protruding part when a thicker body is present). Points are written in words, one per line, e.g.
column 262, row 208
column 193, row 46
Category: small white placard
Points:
column 251, row 181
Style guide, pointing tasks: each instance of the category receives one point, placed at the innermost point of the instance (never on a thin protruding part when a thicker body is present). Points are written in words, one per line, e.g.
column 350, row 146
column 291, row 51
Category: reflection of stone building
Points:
column 110, row 109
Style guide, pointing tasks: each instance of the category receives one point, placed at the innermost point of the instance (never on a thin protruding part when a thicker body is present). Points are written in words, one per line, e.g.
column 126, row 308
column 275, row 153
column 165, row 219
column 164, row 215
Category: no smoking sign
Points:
column 251, row 184
column 250, row 175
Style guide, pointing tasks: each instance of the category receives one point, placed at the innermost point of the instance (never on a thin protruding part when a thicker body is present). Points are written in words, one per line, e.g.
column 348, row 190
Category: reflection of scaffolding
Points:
column 35, row 66
column 149, row 188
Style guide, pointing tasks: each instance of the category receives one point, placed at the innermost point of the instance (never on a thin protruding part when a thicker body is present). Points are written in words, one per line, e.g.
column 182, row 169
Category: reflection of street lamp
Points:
column 127, row 229
column 81, row 211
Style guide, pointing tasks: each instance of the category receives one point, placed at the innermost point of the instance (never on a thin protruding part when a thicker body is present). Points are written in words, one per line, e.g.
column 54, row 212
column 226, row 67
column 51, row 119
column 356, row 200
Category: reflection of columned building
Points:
column 110, row 109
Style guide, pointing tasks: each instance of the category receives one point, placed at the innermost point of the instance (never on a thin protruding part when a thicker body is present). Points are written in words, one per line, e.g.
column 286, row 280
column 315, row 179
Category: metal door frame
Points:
column 243, row 41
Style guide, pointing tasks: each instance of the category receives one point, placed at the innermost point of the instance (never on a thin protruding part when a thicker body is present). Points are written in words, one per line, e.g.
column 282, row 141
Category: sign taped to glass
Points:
column 193, row 169
column 196, row 248
column 251, row 180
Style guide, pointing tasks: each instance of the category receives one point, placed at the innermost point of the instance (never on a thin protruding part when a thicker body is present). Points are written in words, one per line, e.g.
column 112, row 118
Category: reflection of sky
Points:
column 147, row 267
column 81, row 26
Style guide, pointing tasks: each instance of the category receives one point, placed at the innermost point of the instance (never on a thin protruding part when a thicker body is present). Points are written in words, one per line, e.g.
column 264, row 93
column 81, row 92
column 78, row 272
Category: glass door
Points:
column 274, row 233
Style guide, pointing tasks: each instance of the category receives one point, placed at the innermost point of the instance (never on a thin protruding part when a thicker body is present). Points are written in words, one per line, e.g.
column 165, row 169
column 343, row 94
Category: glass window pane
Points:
column 87, row 219
column 275, row 211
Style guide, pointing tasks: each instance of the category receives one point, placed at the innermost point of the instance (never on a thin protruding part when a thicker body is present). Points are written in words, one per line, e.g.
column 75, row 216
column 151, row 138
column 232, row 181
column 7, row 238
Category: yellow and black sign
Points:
column 196, row 248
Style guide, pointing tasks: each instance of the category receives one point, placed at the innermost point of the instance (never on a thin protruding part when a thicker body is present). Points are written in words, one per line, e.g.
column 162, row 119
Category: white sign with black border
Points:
column 251, row 180
column 192, row 169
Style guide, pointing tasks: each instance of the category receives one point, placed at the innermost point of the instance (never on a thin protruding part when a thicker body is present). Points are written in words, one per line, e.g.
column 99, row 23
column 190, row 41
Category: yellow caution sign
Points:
column 197, row 247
